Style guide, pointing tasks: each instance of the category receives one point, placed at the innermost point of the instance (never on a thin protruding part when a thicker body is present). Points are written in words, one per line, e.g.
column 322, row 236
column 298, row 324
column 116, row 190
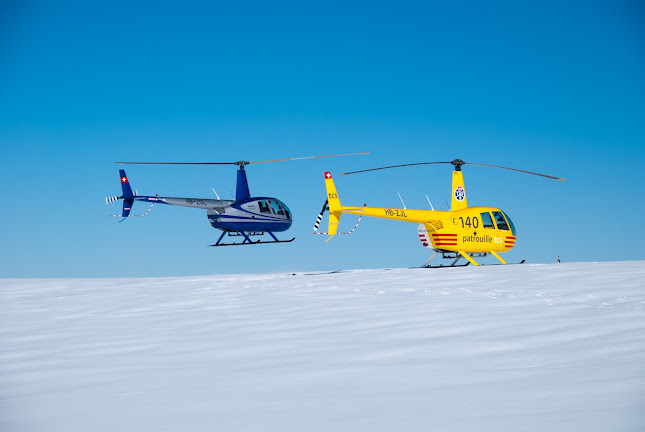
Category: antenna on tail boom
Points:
column 429, row 202
column 402, row 201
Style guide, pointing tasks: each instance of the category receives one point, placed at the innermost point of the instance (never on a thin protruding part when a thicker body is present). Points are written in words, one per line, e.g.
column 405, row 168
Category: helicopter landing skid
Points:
column 247, row 240
column 457, row 257
column 467, row 264
column 253, row 243
column 446, row 266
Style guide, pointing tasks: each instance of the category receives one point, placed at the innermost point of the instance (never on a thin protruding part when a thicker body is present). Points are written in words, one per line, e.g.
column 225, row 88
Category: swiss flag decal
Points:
column 327, row 175
column 124, row 179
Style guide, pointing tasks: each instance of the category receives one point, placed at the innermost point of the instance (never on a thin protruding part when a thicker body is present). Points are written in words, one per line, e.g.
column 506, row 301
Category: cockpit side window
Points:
column 264, row 208
column 500, row 221
column 487, row 221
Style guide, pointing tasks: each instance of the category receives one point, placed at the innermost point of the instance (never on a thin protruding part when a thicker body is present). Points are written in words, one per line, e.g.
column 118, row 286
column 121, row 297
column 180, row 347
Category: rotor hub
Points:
column 241, row 164
column 458, row 163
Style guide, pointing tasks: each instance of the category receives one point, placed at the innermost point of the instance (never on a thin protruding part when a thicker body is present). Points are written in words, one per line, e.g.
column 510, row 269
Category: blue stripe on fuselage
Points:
column 250, row 225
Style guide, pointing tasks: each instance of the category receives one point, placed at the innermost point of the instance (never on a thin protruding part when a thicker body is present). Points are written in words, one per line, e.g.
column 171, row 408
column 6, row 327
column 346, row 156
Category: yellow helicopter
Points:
column 462, row 232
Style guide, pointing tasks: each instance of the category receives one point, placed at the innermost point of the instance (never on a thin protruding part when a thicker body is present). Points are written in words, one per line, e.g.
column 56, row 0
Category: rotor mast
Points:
column 459, row 200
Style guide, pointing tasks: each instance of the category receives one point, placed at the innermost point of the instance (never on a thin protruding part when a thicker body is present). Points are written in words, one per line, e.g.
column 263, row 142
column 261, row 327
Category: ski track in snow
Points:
column 556, row 347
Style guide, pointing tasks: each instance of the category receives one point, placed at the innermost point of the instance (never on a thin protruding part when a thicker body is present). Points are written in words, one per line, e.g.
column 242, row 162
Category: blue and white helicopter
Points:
column 245, row 216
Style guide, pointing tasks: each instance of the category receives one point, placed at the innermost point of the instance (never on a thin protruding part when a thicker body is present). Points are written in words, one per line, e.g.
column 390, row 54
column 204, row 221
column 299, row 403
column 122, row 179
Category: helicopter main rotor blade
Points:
column 394, row 166
column 518, row 170
column 309, row 157
column 458, row 163
column 179, row 163
column 239, row 163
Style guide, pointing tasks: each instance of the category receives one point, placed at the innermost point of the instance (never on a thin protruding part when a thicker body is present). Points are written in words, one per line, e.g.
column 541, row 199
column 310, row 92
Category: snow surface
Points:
column 557, row 347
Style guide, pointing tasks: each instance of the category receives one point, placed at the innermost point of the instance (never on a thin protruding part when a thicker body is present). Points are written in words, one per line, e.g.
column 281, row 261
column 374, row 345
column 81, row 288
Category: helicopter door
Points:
column 264, row 207
column 500, row 221
column 487, row 221
column 276, row 208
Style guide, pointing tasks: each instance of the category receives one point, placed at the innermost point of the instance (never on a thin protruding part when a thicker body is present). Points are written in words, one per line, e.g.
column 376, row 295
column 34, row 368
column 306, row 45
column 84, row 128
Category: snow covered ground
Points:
column 557, row 347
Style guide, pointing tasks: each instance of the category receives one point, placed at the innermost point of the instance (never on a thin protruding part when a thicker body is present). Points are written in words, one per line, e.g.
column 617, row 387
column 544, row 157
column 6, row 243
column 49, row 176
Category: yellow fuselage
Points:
column 469, row 230
column 463, row 230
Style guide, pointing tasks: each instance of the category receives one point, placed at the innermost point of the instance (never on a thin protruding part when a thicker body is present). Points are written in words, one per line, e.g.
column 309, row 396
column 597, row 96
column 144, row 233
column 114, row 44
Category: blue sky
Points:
column 544, row 86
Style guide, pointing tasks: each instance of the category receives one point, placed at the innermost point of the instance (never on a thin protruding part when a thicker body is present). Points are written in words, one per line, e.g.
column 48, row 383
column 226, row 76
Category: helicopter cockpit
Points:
column 502, row 221
column 274, row 206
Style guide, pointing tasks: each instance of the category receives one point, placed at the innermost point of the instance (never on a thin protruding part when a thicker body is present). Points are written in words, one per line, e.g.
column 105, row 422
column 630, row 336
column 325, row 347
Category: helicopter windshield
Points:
column 510, row 222
column 280, row 208
column 500, row 221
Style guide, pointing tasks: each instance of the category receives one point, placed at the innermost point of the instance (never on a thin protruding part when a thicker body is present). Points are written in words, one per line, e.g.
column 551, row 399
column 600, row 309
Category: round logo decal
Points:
column 460, row 193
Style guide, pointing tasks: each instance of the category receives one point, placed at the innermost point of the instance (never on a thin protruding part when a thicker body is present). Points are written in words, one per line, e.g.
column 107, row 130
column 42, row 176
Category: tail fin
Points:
column 335, row 209
column 242, row 190
column 128, row 196
column 125, row 185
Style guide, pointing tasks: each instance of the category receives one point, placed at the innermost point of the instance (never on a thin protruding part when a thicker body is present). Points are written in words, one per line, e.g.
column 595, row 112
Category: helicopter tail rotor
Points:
column 320, row 216
column 111, row 199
